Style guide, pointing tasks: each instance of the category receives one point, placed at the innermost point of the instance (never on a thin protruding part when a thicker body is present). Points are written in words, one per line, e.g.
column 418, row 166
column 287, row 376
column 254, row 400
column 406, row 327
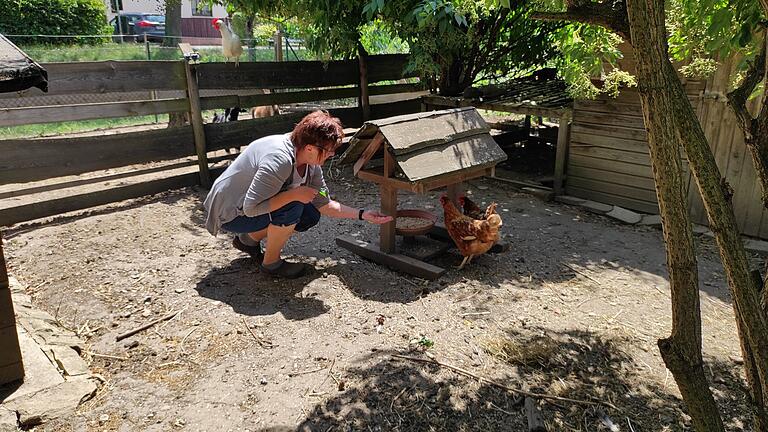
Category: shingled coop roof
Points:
column 430, row 144
column 18, row 71
column 540, row 93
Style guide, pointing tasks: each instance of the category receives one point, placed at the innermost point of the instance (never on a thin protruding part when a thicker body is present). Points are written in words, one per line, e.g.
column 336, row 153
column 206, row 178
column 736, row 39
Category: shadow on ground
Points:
column 403, row 395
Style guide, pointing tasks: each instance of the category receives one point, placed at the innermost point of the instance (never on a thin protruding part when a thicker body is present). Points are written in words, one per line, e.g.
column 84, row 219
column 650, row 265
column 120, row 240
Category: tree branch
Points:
column 608, row 14
column 737, row 99
column 754, row 129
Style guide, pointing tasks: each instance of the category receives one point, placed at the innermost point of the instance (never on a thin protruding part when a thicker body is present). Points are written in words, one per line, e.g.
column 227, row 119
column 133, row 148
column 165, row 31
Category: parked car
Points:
column 136, row 24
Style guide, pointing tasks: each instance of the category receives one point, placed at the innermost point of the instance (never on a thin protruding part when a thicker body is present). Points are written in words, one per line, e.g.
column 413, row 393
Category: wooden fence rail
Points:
column 28, row 165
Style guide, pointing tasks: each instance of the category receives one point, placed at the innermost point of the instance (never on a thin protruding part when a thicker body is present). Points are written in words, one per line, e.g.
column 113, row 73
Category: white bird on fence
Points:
column 230, row 42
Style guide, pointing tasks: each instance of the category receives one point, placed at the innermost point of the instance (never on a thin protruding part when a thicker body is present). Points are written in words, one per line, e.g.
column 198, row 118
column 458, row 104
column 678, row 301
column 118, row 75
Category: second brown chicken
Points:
column 472, row 236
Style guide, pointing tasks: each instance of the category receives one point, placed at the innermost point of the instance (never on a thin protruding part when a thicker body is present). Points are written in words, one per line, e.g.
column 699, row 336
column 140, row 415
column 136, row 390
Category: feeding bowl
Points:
column 414, row 222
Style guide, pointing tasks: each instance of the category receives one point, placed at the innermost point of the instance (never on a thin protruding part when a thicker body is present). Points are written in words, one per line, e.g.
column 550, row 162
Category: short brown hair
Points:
column 319, row 128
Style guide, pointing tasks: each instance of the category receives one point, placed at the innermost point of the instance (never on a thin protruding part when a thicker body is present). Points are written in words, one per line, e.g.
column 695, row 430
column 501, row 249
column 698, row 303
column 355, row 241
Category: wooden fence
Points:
column 609, row 161
column 30, row 167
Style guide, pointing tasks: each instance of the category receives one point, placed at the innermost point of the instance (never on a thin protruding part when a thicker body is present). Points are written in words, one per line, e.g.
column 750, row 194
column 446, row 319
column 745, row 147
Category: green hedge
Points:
column 54, row 17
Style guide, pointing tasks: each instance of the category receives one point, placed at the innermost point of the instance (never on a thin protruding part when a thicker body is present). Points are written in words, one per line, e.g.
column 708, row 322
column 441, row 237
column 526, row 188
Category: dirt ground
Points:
column 573, row 310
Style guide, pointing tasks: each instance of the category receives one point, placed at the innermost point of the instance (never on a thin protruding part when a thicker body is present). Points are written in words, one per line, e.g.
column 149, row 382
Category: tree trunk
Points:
column 453, row 79
column 172, row 23
column 670, row 118
column 681, row 351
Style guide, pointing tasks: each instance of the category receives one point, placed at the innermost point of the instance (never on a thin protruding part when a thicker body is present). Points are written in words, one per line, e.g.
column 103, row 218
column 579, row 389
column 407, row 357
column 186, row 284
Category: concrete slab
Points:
column 52, row 402
column 624, row 215
column 650, row 220
column 570, row 200
column 40, row 373
column 756, row 245
column 596, row 207
column 68, row 360
column 8, row 420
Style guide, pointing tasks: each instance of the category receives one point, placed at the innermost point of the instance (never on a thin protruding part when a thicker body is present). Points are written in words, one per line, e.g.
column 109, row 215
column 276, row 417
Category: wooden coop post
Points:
column 563, row 137
column 11, row 366
column 455, row 190
column 196, row 115
column 388, row 205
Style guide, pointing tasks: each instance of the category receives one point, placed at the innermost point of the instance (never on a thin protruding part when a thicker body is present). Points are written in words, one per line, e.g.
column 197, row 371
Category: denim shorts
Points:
column 304, row 216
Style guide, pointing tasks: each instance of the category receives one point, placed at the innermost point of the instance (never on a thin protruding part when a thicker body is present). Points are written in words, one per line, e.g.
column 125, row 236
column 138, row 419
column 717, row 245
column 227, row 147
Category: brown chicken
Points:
column 469, row 208
column 472, row 237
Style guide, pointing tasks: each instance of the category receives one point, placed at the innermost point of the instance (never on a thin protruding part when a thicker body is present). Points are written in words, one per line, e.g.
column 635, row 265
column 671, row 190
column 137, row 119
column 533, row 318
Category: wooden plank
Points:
column 236, row 134
column 363, row 101
column 563, row 135
column 196, row 118
column 11, row 373
column 60, row 113
column 350, row 117
column 411, row 135
column 7, row 317
column 388, row 67
column 64, row 182
column 368, row 153
column 299, row 74
column 27, row 160
column 109, row 194
column 454, row 191
column 609, row 154
column 391, row 109
column 612, row 188
column 610, row 142
column 212, row 102
column 462, row 176
column 609, row 131
column 629, row 121
column 379, row 178
column 388, row 207
column 110, row 76
column 607, row 165
column 432, row 101
column 3, row 270
column 468, row 153
column 609, row 105
column 612, row 177
column 395, row 261
column 629, row 203
column 9, row 340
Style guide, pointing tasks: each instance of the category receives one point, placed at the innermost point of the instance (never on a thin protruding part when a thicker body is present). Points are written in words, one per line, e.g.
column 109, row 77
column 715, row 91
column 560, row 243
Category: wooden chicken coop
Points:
column 417, row 153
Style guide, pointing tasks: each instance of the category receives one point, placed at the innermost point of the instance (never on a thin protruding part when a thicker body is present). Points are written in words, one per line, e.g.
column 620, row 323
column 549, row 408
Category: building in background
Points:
column 196, row 17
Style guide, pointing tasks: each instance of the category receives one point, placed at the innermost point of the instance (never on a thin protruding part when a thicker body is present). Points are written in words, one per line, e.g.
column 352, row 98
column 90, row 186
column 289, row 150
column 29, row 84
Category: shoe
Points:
column 253, row 251
column 287, row 270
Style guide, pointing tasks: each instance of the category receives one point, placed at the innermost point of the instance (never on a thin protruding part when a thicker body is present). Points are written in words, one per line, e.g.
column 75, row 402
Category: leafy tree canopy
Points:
column 454, row 43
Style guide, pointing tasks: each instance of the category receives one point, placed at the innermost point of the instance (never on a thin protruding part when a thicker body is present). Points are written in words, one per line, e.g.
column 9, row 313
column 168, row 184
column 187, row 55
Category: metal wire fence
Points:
column 74, row 48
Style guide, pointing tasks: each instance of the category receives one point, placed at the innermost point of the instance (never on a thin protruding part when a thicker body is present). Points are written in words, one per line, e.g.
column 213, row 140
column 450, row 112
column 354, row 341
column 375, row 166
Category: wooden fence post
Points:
column 11, row 366
column 278, row 38
column 563, row 134
column 363, row 100
column 196, row 116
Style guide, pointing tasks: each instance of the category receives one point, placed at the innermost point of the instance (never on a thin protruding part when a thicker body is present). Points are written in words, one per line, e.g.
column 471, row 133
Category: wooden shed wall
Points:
column 733, row 158
column 608, row 155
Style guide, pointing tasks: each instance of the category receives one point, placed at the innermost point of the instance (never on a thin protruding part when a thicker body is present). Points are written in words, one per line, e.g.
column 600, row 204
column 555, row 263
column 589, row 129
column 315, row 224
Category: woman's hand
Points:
column 375, row 217
column 303, row 194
